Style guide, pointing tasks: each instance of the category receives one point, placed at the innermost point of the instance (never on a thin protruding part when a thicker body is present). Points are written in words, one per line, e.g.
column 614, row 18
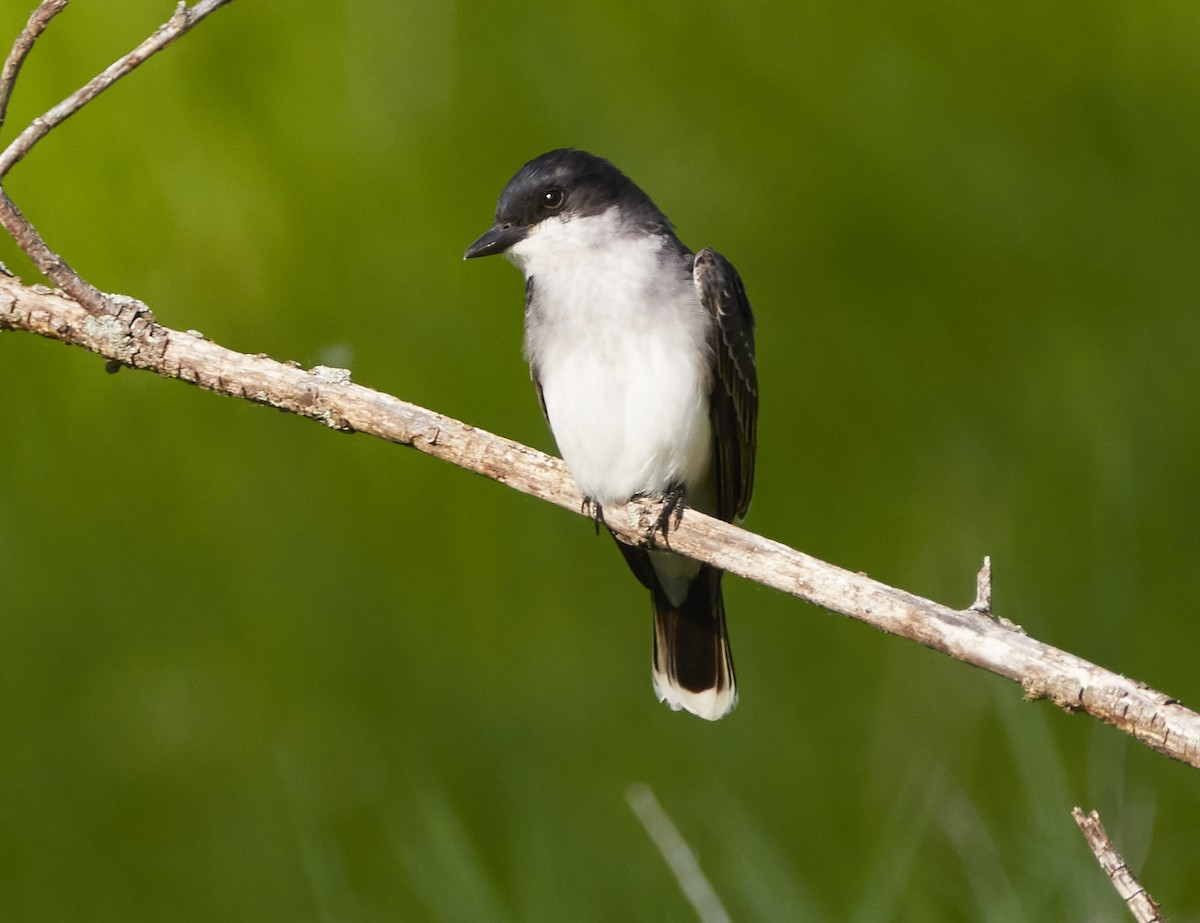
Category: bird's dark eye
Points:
column 553, row 199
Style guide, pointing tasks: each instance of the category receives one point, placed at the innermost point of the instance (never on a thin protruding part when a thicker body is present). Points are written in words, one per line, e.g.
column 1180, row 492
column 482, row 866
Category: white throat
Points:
column 617, row 338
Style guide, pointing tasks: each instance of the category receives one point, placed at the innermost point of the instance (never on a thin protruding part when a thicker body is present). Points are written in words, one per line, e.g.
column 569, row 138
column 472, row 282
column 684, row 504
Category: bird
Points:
column 642, row 356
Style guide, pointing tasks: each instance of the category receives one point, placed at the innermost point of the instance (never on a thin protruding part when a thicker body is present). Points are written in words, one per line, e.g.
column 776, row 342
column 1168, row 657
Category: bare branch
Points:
column 38, row 20
column 130, row 336
column 52, row 266
column 1141, row 904
column 182, row 20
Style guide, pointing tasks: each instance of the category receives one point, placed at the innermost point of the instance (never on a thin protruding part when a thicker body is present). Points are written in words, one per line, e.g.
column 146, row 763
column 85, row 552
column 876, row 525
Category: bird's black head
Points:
column 565, row 184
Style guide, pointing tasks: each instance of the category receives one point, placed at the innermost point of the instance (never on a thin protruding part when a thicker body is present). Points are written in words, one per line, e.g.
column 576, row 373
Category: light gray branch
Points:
column 131, row 337
column 1140, row 903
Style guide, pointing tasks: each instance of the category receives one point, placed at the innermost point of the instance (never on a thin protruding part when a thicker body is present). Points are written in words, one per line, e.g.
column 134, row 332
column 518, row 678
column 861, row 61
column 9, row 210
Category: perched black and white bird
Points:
column 643, row 357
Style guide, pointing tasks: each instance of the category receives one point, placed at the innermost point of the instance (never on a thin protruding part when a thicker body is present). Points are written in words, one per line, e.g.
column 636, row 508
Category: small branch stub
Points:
column 1141, row 904
column 983, row 588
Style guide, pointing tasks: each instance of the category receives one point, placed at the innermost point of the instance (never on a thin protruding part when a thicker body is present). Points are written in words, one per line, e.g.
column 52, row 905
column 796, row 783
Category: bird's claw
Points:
column 671, row 514
column 594, row 511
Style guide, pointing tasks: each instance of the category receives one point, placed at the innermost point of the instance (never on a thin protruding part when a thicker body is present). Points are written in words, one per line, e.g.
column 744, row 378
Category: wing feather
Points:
column 733, row 405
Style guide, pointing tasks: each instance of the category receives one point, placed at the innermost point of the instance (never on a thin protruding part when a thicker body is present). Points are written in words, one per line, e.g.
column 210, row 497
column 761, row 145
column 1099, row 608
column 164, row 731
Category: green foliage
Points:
column 258, row 670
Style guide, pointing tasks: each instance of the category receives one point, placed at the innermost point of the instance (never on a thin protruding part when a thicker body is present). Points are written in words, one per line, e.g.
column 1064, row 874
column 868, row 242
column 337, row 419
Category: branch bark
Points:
column 132, row 337
column 1140, row 903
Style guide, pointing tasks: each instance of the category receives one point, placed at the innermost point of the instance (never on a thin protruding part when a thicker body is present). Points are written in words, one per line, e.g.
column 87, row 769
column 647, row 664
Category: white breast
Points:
column 619, row 342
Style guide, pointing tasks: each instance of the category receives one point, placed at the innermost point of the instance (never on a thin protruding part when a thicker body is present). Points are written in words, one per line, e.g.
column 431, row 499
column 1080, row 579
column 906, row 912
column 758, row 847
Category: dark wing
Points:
column 733, row 406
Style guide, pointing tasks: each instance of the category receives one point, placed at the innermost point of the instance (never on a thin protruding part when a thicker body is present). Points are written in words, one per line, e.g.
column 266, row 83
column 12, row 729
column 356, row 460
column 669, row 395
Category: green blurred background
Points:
column 257, row 670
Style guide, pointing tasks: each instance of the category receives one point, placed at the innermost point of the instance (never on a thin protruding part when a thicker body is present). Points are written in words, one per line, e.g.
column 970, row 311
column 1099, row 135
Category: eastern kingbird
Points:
column 642, row 354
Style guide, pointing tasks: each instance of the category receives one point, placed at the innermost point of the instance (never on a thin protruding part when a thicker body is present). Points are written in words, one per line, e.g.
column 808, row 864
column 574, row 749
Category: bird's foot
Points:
column 591, row 508
column 672, row 510
column 671, row 513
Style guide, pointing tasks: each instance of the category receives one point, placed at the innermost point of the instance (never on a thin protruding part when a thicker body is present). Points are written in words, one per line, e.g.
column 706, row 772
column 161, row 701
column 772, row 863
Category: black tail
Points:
column 693, row 668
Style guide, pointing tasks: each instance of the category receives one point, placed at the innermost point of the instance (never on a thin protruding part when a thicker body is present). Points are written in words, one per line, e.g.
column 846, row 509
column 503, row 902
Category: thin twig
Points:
column 51, row 265
column 182, row 20
column 678, row 855
column 131, row 337
column 38, row 20
column 1140, row 903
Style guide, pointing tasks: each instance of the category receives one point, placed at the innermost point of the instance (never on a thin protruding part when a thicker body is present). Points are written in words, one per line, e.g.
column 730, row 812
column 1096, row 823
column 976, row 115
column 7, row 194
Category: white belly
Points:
column 619, row 342
column 629, row 418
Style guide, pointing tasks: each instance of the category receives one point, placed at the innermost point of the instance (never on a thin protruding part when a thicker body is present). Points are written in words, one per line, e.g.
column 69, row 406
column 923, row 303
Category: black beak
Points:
column 497, row 239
